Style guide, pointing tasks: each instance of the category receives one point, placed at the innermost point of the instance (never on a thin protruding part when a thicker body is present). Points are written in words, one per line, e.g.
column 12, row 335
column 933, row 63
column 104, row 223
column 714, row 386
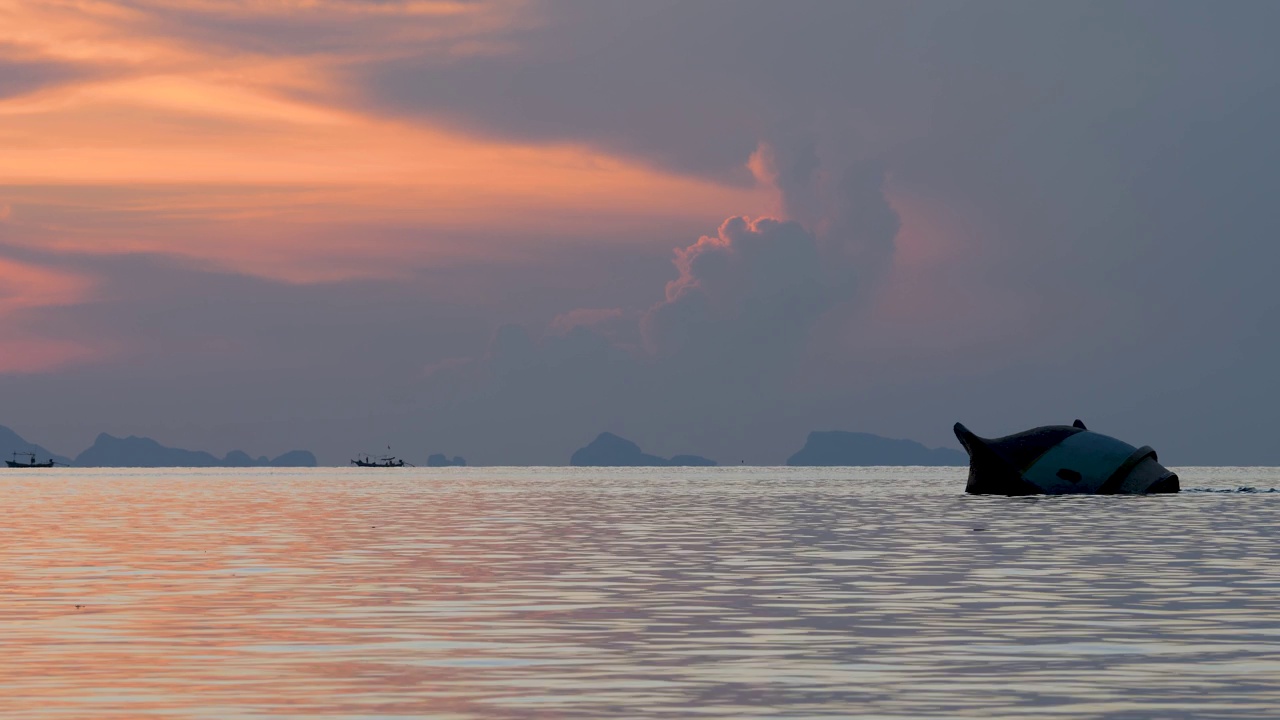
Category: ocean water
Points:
column 645, row 593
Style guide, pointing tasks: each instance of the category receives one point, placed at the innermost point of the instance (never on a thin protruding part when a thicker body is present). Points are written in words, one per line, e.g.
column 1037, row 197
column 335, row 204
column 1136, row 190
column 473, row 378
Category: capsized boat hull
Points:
column 1062, row 460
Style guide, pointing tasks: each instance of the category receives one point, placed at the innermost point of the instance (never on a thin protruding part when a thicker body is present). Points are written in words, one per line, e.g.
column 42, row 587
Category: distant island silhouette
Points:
column 439, row 460
column 11, row 442
column 133, row 451
column 836, row 447
column 822, row 448
column 609, row 450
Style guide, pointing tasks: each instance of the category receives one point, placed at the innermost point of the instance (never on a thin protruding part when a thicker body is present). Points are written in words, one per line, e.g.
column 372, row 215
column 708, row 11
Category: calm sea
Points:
column 557, row 593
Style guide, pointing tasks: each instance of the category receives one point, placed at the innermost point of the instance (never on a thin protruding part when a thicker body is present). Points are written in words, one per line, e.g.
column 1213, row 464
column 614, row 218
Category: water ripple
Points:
column 719, row 593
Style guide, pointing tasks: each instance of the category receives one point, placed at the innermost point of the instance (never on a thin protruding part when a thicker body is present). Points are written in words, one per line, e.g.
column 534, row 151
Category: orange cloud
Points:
column 260, row 162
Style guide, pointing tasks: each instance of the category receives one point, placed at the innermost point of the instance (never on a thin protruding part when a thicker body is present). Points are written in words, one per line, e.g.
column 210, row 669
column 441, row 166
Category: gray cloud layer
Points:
column 1100, row 179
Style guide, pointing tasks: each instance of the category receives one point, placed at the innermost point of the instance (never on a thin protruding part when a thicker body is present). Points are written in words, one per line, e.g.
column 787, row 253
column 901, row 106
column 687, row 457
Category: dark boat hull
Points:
column 1062, row 460
column 13, row 464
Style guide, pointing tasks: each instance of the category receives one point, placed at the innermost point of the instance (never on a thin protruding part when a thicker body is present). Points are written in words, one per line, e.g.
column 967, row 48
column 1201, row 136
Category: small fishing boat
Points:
column 386, row 461
column 31, row 461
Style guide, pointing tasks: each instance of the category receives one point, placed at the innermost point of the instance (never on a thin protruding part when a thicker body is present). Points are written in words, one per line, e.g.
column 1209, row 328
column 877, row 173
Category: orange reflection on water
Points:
column 736, row 592
column 169, row 594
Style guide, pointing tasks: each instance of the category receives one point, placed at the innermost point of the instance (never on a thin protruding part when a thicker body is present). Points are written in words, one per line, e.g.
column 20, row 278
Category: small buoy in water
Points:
column 1061, row 460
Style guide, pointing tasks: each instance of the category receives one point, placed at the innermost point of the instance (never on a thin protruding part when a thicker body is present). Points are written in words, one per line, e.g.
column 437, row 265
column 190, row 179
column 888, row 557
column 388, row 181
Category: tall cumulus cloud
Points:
column 762, row 283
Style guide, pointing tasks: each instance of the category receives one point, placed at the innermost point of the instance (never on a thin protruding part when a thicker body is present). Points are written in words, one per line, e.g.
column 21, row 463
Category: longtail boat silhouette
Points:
column 31, row 461
column 386, row 461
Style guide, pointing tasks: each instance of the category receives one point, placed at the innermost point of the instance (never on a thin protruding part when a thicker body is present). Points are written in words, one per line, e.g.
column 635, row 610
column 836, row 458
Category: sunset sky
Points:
column 495, row 229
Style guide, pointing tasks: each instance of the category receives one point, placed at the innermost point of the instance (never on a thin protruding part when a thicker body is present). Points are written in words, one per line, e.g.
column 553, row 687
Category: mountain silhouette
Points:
column 609, row 450
column 11, row 442
column 835, row 447
column 293, row 458
column 134, row 451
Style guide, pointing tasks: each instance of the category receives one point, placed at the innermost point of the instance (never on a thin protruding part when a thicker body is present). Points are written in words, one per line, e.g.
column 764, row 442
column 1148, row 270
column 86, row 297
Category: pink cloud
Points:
column 25, row 289
column 584, row 317
column 25, row 285
column 20, row 355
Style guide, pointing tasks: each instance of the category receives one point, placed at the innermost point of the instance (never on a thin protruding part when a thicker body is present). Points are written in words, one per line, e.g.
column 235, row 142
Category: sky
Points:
column 497, row 228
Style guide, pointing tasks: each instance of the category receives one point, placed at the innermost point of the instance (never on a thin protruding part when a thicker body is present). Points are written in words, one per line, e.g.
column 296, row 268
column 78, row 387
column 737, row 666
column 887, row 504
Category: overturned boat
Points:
column 1061, row 460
